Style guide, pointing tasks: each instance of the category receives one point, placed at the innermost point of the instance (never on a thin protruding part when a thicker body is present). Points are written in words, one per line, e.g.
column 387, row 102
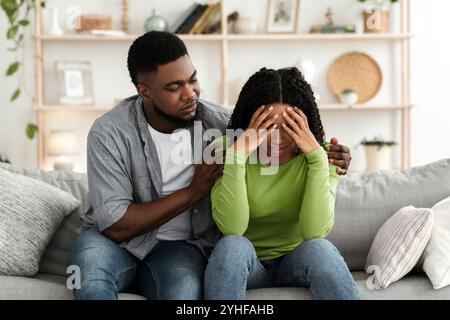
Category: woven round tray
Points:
column 356, row 71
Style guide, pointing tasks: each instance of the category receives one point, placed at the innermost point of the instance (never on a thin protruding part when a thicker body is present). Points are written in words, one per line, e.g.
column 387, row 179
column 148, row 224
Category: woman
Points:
column 274, row 225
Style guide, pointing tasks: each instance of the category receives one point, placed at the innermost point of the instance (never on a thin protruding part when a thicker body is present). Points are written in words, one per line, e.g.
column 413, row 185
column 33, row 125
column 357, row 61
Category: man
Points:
column 150, row 228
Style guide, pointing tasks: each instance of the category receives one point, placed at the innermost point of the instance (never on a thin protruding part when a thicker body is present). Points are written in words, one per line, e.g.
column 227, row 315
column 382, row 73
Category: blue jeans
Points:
column 173, row 270
column 233, row 268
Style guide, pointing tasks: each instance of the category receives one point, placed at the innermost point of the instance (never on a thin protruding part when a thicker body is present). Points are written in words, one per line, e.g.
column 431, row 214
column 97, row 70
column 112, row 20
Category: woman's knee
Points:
column 234, row 248
column 235, row 244
column 323, row 257
column 319, row 248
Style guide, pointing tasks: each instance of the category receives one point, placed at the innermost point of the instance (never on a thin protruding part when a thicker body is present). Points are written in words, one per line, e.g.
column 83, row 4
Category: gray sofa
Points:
column 364, row 202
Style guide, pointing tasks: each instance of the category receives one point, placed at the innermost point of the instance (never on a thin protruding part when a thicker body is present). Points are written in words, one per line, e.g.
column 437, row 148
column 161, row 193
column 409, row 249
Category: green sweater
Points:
column 276, row 212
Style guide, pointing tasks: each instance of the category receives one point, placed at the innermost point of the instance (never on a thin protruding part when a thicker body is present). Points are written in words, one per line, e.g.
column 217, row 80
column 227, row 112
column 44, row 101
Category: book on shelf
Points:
column 210, row 20
column 192, row 19
column 183, row 18
column 205, row 18
column 217, row 26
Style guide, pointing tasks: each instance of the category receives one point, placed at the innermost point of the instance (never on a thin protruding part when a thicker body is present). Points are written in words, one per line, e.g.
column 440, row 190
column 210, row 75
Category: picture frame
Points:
column 74, row 83
column 283, row 16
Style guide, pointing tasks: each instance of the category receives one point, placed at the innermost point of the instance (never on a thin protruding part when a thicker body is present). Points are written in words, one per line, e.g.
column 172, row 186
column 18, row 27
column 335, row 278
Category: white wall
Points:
column 430, row 84
column 430, row 67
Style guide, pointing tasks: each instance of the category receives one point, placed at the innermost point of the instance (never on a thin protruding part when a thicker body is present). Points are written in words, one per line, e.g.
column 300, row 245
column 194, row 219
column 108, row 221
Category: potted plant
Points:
column 17, row 13
column 378, row 153
column 348, row 97
column 376, row 15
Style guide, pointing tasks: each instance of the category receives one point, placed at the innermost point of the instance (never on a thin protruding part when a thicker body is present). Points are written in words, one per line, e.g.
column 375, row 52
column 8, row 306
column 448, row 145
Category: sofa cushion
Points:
column 30, row 213
column 436, row 257
column 54, row 259
column 365, row 201
column 398, row 245
column 414, row 286
column 42, row 287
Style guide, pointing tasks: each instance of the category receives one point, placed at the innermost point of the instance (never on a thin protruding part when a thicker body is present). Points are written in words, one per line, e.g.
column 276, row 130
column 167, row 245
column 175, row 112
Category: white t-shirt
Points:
column 177, row 169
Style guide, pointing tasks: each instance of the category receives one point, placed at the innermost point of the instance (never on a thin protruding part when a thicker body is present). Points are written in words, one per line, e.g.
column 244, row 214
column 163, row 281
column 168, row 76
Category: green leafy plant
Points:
column 18, row 12
column 379, row 2
column 378, row 142
column 348, row 91
column 4, row 159
column 373, row 4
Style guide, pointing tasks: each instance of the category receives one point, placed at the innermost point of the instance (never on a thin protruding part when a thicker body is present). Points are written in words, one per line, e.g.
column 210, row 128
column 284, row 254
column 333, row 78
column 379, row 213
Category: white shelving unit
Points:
column 224, row 39
column 238, row 37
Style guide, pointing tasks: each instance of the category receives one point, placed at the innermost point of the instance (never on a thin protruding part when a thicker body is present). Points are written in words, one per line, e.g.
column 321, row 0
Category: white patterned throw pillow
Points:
column 436, row 257
column 30, row 213
column 398, row 245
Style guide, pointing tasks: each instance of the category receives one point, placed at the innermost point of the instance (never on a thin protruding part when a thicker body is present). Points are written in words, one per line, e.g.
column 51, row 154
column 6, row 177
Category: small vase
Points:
column 378, row 158
column 155, row 23
column 349, row 97
column 55, row 29
column 244, row 26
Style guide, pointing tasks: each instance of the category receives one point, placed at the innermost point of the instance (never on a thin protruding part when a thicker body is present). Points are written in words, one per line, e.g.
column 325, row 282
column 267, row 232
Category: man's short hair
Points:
column 151, row 50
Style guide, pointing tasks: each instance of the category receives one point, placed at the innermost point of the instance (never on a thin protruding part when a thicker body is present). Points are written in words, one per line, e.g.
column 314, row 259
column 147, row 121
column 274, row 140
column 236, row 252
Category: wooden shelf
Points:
column 228, row 42
column 237, row 37
column 338, row 106
column 322, row 107
column 56, row 108
column 126, row 38
column 358, row 107
column 316, row 37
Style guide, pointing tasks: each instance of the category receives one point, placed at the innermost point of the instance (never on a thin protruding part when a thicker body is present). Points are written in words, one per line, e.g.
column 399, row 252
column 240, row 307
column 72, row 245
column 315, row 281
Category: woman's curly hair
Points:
column 268, row 86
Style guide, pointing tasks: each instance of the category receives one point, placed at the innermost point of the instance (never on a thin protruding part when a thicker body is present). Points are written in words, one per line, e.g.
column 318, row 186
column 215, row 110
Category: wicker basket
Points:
column 95, row 22
column 356, row 71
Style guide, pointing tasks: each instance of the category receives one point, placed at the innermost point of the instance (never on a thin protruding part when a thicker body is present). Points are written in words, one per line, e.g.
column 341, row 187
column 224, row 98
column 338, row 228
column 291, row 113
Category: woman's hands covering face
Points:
column 260, row 127
column 298, row 129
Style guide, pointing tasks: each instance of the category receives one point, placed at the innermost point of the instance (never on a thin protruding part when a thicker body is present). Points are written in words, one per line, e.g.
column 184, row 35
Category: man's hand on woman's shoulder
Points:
column 339, row 155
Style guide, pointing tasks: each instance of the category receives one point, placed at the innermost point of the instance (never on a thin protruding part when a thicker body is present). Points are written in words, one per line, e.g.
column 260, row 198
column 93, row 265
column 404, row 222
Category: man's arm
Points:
column 339, row 156
column 111, row 193
column 144, row 217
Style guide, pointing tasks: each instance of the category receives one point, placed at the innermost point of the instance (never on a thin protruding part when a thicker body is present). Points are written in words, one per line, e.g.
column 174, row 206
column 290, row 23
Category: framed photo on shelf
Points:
column 282, row 16
column 75, row 82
